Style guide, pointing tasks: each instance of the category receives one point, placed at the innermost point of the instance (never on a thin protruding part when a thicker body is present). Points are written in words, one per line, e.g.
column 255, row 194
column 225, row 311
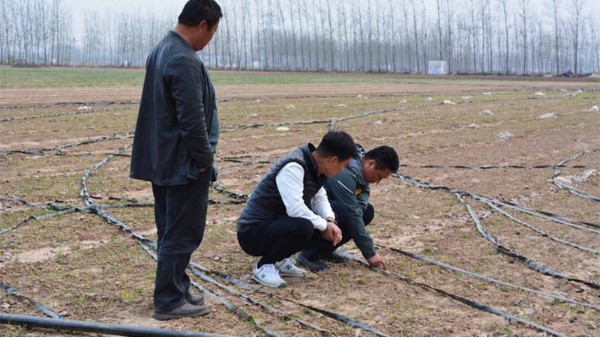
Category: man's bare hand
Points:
column 332, row 233
column 377, row 262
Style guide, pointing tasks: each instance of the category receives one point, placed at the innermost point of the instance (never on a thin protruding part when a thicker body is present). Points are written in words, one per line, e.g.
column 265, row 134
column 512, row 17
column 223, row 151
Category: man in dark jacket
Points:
column 289, row 205
column 349, row 194
column 175, row 138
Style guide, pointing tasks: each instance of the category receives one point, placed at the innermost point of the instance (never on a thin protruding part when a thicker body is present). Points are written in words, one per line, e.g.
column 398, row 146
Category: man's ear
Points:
column 372, row 163
column 203, row 25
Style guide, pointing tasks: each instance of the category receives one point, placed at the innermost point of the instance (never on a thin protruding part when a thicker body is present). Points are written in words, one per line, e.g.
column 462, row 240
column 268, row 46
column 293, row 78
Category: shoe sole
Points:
column 283, row 274
column 267, row 284
column 166, row 316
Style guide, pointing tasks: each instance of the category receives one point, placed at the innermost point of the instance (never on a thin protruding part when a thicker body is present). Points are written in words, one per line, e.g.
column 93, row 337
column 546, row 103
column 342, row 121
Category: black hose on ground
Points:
column 83, row 326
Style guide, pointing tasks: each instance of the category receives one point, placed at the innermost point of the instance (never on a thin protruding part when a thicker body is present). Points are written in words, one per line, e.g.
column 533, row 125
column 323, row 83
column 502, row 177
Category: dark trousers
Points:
column 180, row 214
column 277, row 239
column 319, row 246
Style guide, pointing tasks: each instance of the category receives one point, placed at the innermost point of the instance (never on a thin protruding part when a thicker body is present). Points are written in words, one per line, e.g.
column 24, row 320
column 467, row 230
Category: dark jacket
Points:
column 265, row 203
column 177, row 111
column 351, row 190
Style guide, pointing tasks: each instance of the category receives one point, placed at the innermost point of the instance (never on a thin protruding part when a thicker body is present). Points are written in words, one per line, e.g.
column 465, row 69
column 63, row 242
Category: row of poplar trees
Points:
column 473, row 36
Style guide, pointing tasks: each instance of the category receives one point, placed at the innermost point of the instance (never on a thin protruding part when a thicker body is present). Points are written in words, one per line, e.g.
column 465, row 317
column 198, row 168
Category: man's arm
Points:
column 184, row 80
column 291, row 185
column 321, row 206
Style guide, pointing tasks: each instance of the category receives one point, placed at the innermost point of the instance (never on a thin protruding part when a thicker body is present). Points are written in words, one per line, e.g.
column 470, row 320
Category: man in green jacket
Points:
column 349, row 193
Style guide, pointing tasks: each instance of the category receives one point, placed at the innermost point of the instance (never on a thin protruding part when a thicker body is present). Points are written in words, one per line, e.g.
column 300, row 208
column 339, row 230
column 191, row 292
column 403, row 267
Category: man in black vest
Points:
column 349, row 195
column 175, row 138
column 290, row 204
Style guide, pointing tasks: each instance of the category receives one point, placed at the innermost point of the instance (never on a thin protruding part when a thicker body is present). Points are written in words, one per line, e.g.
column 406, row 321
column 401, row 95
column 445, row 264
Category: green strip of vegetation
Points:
column 110, row 77
column 69, row 77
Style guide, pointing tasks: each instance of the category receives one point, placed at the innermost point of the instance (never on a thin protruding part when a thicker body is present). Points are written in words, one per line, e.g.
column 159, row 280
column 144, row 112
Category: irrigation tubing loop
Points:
column 564, row 186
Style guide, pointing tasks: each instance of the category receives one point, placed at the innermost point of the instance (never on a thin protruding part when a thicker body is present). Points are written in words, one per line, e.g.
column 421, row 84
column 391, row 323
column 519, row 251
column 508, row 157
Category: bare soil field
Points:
column 490, row 228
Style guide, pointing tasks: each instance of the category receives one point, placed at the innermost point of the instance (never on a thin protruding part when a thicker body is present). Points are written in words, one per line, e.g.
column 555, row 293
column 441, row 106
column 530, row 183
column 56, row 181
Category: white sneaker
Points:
column 287, row 267
column 268, row 275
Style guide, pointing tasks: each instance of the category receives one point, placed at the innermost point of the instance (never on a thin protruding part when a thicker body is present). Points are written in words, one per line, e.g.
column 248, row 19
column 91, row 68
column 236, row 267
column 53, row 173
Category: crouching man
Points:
column 289, row 205
column 349, row 194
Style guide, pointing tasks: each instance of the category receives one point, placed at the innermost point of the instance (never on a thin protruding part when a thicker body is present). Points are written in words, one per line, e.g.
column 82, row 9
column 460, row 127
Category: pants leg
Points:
column 180, row 213
column 319, row 246
column 276, row 240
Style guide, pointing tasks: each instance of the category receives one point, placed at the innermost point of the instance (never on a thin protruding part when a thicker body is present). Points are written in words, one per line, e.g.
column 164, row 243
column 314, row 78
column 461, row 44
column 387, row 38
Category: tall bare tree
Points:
column 576, row 9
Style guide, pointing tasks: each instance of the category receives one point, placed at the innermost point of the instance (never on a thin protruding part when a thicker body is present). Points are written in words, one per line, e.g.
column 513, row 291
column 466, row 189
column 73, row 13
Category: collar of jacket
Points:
column 179, row 37
column 311, row 165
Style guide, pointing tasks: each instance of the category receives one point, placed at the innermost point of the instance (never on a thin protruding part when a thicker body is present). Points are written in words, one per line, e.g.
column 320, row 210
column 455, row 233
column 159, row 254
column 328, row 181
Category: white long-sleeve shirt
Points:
column 290, row 183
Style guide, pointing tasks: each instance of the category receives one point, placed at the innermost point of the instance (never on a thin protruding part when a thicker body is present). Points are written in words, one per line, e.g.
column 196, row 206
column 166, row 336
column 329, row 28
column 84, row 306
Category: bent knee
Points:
column 303, row 228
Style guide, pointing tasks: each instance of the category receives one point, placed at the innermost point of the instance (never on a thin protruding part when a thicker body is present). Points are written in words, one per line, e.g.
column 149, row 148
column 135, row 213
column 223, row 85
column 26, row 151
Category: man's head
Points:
column 380, row 163
column 201, row 19
column 334, row 152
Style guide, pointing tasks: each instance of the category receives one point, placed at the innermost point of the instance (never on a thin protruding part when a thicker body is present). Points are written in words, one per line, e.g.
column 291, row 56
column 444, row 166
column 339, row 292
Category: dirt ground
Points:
column 480, row 138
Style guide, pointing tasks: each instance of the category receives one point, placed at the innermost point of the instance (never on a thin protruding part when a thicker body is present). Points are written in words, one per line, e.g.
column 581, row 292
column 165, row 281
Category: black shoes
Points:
column 312, row 265
column 337, row 256
column 194, row 298
column 185, row 310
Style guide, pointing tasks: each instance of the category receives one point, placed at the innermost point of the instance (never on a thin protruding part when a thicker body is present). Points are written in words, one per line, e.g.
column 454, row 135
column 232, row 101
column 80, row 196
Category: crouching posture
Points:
column 289, row 205
column 349, row 194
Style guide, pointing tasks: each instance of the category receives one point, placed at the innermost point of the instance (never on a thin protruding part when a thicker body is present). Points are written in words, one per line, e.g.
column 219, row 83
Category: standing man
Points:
column 289, row 205
column 349, row 194
column 175, row 138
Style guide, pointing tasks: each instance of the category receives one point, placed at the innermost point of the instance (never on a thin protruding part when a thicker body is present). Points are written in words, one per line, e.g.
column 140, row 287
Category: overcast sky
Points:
column 174, row 6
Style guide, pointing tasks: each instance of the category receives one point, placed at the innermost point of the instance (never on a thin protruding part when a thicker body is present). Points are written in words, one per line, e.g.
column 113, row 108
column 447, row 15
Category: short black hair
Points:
column 196, row 11
column 337, row 143
column 385, row 158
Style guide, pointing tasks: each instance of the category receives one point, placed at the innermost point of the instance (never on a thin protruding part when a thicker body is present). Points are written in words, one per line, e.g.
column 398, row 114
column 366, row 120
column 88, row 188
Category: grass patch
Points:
column 69, row 77
column 111, row 77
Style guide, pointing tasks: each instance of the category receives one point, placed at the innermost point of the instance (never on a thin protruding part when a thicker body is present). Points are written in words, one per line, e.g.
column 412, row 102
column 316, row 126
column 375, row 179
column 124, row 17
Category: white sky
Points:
column 79, row 7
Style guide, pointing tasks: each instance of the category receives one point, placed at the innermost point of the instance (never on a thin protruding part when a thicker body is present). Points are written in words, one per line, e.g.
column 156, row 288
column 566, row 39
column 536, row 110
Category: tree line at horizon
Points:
column 472, row 36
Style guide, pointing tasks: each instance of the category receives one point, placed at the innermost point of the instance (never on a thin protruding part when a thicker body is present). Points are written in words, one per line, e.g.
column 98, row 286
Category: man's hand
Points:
column 377, row 262
column 332, row 233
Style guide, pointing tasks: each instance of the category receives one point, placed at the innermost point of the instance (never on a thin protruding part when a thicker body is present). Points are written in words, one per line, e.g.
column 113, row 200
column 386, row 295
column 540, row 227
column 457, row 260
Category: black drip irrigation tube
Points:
column 541, row 232
column 567, row 187
column 65, row 104
column 46, row 216
column 504, row 250
column 150, row 248
column 25, row 118
column 195, row 268
column 489, row 167
column 144, row 243
column 41, row 307
column 463, row 300
column 489, row 279
column 92, row 207
column 59, row 148
column 240, row 197
column 95, row 327
column 330, row 122
column 533, row 265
